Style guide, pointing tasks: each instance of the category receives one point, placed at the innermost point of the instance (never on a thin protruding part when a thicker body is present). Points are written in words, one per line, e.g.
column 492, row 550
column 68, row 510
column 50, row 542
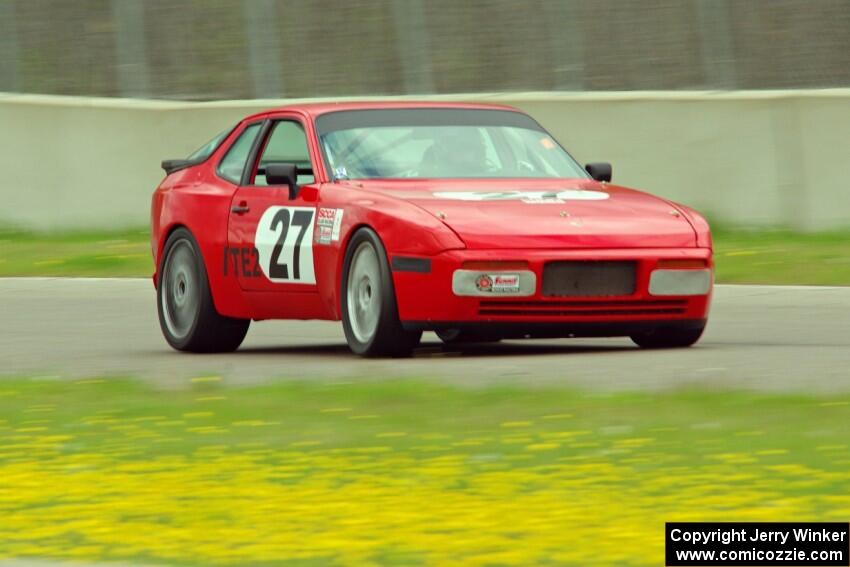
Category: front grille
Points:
column 586, row 308
column 589, row 278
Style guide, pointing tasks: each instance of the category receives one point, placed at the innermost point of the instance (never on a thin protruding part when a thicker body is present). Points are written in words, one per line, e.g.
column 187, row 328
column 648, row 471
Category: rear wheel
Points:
column 369, row 310
column 668, row 337
column 187, row 316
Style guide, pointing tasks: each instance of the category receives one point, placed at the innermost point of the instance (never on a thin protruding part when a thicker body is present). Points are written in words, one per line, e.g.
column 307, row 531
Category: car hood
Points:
column 561, row 213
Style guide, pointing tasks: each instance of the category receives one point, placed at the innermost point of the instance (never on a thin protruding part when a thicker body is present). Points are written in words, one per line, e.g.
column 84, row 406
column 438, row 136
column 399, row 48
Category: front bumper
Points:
column 426, row 299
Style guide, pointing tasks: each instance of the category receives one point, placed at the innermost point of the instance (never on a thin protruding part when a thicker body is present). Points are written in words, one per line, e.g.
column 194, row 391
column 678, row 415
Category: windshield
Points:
column 440, row 143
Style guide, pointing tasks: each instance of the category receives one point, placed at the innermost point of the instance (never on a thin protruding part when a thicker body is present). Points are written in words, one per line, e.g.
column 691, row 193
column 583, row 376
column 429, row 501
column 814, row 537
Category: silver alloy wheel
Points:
column 364, row 292
column 180, row 297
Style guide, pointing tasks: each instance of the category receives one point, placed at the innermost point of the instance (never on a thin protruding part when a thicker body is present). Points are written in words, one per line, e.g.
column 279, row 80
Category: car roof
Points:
column 314, row 109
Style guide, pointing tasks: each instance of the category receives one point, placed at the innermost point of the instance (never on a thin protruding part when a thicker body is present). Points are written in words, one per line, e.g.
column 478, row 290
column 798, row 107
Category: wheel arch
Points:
column 226, row 294
column 340, row 264
column 391, row 232
column 160, row 248
column 388, row 337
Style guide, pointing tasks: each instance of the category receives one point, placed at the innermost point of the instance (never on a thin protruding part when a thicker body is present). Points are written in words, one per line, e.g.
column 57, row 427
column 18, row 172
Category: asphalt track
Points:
column 794, row 339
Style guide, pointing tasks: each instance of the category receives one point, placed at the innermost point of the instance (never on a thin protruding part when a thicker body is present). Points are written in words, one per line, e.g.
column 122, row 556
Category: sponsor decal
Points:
column 242, row 261
column 541, row 199
column 484, row 283
column 498, row 283
column 323, row 234
column 328, row 225
column 530, row 197
column 326, row 217
column 337, row 225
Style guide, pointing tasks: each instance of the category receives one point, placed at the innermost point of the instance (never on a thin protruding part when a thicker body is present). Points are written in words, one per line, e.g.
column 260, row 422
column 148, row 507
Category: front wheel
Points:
column 665, row 337
column 187, row 316
column 369, row 310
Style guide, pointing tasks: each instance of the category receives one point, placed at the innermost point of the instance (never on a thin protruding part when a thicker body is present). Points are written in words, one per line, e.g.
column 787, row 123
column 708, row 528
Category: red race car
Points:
column 468, row 220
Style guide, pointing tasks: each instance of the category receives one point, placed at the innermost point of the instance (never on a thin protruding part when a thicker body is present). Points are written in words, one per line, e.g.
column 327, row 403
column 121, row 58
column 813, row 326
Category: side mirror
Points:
column 283, row 174
column 599, row 171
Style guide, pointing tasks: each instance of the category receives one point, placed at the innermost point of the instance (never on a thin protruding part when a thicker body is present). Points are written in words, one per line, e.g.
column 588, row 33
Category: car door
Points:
column 270, row 231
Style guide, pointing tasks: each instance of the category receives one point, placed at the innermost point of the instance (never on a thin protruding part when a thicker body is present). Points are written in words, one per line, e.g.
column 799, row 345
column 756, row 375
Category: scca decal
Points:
column 328, row 225
column 284, row 244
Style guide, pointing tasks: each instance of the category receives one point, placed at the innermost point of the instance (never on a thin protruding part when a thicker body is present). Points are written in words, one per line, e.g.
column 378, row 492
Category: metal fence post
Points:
column 566, row 39
column 263, row 48
column 9, row 75
column 717, row 46
column 412, row 44
column 131, row 48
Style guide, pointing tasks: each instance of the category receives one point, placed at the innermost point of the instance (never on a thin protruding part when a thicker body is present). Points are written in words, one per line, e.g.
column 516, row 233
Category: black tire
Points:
column 459, row 337
column 187, row 315
column 668, row 337
column 372, row 328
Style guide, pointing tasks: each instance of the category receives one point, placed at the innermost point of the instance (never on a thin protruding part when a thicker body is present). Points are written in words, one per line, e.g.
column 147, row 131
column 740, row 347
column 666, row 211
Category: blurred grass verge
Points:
column 400, row 472
column 124, row 253
column 781, row 257
column 767, row 256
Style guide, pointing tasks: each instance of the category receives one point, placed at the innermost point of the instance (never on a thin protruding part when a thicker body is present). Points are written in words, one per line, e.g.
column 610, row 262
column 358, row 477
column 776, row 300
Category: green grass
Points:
column 741, row 256
column 314, row 412
column 125, row 253
column 782, row 257
column 400, row 472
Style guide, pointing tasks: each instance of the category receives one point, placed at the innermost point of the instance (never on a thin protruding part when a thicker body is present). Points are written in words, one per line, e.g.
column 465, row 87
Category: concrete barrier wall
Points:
column 748, row 158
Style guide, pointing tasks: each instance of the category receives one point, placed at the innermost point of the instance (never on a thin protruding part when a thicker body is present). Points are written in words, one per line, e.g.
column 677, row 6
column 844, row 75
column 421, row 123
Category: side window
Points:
column 233, row 162
column 286, row 143
column 207, row 149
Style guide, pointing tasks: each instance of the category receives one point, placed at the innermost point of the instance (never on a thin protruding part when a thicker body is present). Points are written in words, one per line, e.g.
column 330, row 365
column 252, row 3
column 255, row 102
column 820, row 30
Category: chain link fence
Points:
column 226, row 49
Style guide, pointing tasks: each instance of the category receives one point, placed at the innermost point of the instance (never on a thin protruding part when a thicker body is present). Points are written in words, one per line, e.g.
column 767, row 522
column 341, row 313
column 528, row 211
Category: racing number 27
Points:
column 283, row 218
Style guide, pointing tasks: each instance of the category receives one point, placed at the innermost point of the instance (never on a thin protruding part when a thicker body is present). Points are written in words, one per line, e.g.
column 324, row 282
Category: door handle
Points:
column 240, row 209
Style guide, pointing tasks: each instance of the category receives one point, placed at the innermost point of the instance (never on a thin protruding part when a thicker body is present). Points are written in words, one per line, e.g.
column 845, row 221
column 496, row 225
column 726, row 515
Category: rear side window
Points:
column 233, row 163
column 207, row 149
